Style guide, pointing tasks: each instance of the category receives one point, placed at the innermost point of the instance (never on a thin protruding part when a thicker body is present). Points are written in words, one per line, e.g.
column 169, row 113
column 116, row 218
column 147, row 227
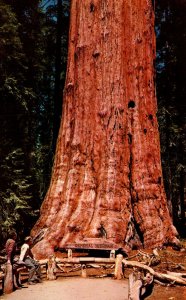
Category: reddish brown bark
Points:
column 107, row 178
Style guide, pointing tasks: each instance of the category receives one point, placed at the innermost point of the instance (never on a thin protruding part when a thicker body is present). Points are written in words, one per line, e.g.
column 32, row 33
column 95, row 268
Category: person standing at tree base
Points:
column 27, row 257
column 11, row 248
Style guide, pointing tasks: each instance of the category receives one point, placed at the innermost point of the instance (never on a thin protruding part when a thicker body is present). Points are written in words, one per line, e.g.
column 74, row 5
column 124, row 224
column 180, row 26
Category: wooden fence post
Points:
column 118, row 273
column 51, row 268
column 69, row 253
column 83, row 271
column 8, row 279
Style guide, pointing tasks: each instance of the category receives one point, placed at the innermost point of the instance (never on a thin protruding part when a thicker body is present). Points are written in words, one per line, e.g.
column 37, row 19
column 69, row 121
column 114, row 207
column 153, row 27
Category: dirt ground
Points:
column 73, row 289
column 76, row 288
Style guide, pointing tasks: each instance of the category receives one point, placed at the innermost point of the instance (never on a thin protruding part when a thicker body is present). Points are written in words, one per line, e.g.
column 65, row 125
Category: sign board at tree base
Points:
column 92, row 243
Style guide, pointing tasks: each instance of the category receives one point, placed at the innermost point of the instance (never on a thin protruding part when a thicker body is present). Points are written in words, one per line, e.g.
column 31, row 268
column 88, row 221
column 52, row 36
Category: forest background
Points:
column 33, row 56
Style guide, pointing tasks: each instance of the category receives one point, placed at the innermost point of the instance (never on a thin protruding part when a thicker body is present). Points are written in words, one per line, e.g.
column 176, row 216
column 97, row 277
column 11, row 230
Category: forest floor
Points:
column 74, row 287
column 77, row 288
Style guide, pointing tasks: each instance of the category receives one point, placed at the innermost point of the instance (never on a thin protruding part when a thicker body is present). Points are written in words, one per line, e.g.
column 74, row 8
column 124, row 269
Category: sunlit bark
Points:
column 107, row 178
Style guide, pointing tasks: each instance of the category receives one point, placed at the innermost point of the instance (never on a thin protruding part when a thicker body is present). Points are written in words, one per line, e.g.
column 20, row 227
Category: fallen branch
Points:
column 94, row 266
column 160, row 283
column 75, row 268
column 176, row 274
column 133, row 256
column 101, row 266
column 174, row 265
column 161, row 276
column 60, row 267
column 143, row 253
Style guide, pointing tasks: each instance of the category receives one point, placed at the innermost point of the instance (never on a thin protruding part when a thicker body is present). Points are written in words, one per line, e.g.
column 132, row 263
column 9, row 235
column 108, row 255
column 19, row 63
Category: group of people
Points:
column 24, row 259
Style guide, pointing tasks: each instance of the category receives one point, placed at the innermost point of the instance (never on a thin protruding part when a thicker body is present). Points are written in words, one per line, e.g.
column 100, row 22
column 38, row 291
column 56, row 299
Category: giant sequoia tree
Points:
column 107, row 181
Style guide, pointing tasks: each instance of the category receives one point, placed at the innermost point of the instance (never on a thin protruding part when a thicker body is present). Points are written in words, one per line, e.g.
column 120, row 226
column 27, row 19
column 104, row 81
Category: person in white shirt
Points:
column 27, row 257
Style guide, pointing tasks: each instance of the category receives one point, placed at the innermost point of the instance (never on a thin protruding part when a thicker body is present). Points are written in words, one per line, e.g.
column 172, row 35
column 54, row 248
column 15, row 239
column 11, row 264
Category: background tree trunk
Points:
column 107, row 171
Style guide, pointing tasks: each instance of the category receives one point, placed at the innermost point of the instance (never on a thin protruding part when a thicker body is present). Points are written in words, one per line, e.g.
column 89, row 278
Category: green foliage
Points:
column 171, row 92
column 12, row 65
column 28, row 35
column 15, row 195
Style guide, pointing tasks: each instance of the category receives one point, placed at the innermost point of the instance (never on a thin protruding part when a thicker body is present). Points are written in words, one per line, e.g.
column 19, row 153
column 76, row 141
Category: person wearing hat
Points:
column 27, row 257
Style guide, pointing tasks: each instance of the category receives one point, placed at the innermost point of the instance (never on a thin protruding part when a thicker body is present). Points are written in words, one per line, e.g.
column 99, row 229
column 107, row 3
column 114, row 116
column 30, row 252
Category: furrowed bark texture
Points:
column 107, row 173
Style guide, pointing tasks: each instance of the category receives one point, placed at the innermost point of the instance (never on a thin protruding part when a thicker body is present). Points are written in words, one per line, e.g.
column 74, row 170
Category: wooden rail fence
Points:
column 53, row 267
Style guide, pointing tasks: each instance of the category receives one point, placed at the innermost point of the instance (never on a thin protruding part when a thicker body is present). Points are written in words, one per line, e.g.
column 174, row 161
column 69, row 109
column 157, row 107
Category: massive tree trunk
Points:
column 107, row 188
